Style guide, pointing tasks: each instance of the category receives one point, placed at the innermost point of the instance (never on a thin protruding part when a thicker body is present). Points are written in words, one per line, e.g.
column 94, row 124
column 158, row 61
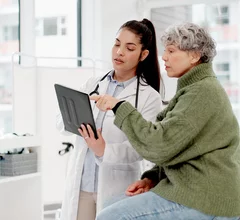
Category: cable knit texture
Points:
column 195, row 140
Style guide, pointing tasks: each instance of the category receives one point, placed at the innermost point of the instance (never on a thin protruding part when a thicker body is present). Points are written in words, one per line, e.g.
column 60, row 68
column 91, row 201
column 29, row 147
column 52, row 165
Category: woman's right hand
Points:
column 104, row 102
column 140, row 186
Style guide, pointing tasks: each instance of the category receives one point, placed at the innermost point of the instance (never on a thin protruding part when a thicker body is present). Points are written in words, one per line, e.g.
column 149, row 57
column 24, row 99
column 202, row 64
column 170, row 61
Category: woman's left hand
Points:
column 96, row 145
column 140, row 186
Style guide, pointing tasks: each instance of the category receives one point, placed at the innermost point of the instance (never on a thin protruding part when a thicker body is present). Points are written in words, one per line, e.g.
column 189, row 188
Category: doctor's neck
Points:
column 123, row 76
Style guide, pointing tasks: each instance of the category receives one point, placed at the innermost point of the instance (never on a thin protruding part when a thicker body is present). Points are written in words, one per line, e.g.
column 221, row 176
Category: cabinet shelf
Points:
column 20, row 142
column 7, row 179
column 5, row 107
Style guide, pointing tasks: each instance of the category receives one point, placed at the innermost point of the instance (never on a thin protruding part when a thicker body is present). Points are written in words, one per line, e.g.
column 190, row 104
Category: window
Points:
column 9, row 43
column 15, row 1
column 62, row 26
column 10, row 33
column 164, row 17
column 5, row 84
column 51, row 26
column 223, row 72
column 223, row 78
column 221, row 14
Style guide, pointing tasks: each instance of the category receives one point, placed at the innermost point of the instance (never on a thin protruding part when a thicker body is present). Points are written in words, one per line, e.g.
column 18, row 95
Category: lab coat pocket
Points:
column 115, row 178
column 125, row 174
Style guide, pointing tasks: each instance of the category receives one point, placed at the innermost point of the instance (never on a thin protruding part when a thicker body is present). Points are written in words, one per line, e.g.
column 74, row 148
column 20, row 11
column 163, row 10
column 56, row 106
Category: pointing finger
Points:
column 94, row 97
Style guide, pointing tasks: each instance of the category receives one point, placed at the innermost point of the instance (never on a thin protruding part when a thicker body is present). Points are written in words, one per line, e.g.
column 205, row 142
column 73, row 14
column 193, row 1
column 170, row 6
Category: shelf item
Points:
column 19, row 142
column 18, row 164
column 25, row 190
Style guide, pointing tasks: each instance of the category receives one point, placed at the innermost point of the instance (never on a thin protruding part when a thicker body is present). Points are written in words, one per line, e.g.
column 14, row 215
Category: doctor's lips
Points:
column 118, row 60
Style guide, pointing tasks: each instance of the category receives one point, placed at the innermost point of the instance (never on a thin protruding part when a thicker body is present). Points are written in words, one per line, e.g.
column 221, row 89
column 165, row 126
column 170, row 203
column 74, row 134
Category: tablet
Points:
column 75, row 108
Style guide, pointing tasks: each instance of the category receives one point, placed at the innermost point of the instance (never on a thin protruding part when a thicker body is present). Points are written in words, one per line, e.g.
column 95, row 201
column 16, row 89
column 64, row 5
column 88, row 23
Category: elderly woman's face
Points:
column 178, row 62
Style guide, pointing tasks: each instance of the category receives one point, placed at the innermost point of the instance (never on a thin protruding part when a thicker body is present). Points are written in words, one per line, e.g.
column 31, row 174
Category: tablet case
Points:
column 75, row 108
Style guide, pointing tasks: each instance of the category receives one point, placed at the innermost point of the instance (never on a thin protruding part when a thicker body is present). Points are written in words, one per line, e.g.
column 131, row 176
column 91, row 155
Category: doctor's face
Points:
column 126, row 51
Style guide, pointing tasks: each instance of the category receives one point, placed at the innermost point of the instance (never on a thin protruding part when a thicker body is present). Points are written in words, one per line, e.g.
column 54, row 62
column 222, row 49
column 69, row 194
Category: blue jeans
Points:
column 150, row 206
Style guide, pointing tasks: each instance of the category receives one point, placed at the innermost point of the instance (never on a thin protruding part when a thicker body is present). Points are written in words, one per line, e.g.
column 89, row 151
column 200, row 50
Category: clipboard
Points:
column 75, row 108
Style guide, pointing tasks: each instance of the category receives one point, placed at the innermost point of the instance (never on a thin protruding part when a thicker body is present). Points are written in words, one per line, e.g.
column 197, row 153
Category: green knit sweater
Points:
column 195, row 141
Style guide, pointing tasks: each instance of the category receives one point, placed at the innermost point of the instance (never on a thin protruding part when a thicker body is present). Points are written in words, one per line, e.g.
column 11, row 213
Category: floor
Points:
column 51, row 212
column 50, row 217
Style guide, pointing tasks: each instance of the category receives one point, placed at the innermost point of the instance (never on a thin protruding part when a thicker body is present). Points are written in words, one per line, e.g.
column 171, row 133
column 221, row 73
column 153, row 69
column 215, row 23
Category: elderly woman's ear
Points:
column 195, row 57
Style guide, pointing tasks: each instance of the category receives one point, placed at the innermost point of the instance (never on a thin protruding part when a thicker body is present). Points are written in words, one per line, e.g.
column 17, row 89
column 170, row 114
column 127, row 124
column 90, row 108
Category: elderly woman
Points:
column 194, row 141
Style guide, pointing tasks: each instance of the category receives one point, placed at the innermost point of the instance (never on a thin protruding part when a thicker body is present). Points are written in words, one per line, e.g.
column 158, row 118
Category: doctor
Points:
column 102, row 168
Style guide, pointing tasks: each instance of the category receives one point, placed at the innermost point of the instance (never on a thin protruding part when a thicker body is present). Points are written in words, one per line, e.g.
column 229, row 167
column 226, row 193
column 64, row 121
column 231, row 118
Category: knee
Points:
column 108, row 214
column 103, row 215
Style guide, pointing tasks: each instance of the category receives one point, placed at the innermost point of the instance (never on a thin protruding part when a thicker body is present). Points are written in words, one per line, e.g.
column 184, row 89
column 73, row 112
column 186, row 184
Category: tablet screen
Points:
column 75, row 108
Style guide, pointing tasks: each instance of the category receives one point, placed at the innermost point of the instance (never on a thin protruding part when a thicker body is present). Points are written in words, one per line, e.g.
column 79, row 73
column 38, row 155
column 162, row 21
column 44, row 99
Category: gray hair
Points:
column 191, row 37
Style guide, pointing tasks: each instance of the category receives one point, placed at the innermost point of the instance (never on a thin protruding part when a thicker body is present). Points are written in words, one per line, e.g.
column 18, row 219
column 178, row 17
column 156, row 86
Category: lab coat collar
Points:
column 130, row 90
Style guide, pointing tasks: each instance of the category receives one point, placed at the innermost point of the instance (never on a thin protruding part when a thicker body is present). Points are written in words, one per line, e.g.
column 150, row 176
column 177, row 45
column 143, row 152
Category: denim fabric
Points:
column 150, row 206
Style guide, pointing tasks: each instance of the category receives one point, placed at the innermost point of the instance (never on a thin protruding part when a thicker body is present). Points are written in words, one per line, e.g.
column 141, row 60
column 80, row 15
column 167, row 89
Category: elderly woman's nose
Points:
column 164, row 56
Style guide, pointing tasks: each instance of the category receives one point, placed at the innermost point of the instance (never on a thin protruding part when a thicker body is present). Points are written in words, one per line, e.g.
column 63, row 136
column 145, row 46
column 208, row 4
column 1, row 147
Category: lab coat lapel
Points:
column 103, row 85
column 130, row 90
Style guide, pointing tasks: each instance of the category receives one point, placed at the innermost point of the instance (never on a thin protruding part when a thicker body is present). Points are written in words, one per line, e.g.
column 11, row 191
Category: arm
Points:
column 102, row 150
column 140, row 186
column 155, row 174
column 126, row 153
column 148, row 180
column 163, row 142
column 149, row 109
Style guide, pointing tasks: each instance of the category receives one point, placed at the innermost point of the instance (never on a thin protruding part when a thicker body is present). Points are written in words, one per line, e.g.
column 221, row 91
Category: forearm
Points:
column 149, row 108
column 159, row 142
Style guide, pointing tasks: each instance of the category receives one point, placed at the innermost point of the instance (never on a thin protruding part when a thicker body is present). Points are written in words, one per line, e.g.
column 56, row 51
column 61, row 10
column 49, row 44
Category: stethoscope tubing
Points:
column 95, row 91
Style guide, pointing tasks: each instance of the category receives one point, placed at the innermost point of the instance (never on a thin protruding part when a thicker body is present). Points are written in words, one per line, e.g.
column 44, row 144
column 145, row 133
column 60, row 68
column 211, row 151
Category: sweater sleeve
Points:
column 164, row 142
column 155, row 174
column 122, row 151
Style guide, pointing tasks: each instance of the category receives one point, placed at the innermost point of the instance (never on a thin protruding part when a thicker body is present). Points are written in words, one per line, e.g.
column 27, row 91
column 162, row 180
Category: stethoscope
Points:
column 95, row 91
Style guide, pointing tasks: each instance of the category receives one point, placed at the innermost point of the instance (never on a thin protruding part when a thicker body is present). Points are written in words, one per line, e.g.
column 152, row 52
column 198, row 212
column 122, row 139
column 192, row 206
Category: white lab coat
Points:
column 121, row 164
